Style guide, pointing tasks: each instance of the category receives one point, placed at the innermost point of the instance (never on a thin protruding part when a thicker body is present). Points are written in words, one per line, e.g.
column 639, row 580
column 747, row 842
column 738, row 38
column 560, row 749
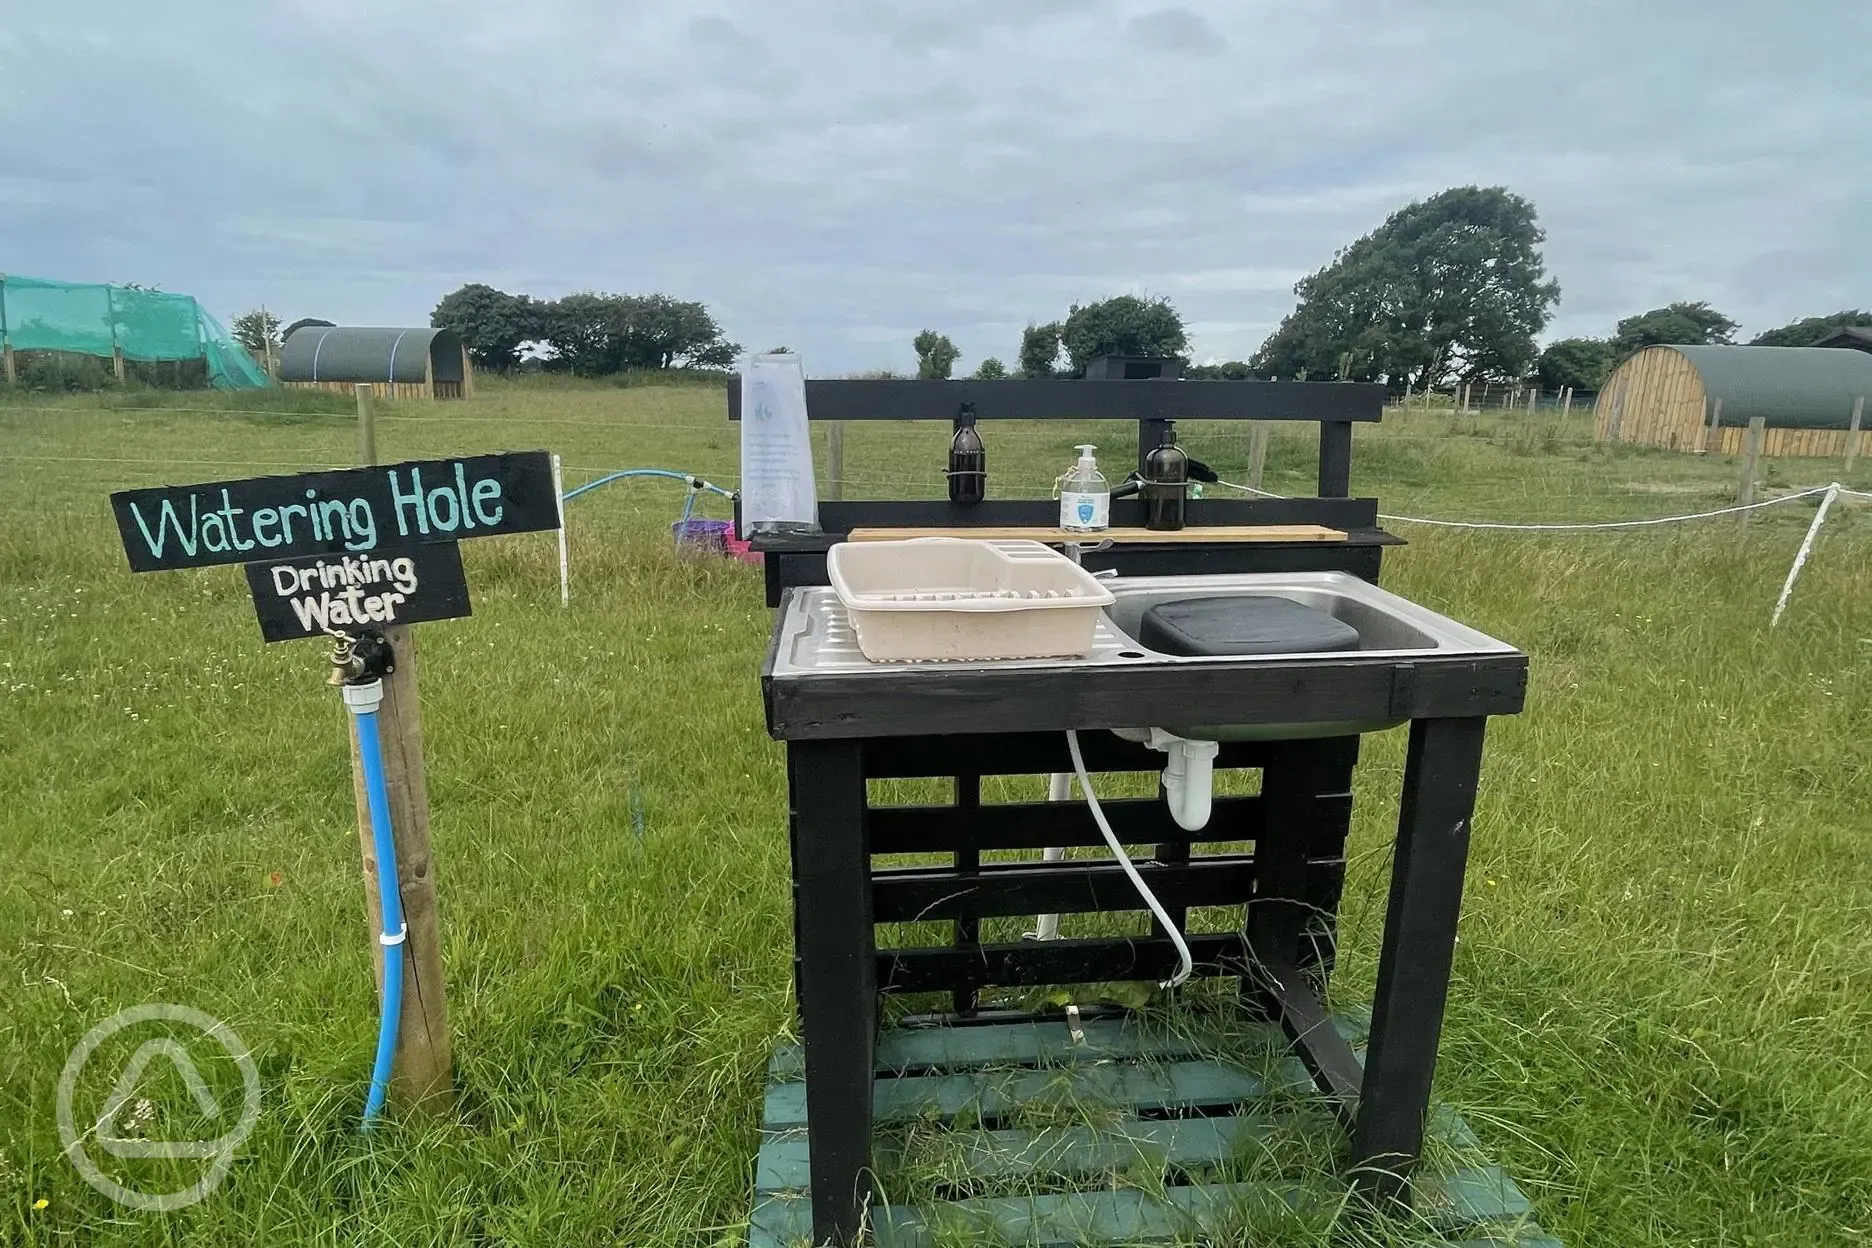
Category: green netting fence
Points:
column 41, row 315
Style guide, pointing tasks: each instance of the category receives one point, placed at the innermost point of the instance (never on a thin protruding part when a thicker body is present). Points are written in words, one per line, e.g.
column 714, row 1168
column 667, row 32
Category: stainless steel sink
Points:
column 1385, row 622
column 816, row 635
column 1390, row 629
column 820, row 685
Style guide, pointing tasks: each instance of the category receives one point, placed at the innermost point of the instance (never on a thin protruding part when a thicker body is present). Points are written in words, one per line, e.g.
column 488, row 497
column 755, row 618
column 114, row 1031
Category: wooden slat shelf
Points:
column 1151, row 1104
column 1058, row 536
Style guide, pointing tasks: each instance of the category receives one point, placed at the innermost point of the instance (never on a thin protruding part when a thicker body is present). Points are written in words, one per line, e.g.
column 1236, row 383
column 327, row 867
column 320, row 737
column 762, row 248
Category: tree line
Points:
column 1449, row 291
column 1585, row 363
column 1121, row 325
column 588, row 334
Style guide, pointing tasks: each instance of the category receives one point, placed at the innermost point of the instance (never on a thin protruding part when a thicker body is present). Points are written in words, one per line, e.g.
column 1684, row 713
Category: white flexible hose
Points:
column 1124, row 860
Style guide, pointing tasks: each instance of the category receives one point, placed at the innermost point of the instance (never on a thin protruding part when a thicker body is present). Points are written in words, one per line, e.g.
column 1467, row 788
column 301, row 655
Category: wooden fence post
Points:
column 117, row 357
column 835, row 460
column 1751, row 459
column 1852, row 432
column 1257, row 452
column 266, row 340
column 6, row 338
column 421, row 1076
column 366, row 424
column 1566, row 402
column 1712, row 437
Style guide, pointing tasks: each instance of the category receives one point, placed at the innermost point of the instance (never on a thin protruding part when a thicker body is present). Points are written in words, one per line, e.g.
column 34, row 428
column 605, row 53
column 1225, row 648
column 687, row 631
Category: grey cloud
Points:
column 1177, row 30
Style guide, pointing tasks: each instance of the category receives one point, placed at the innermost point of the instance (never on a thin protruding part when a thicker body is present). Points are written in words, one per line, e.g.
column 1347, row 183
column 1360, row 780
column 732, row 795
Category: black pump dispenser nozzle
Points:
column 968, row 460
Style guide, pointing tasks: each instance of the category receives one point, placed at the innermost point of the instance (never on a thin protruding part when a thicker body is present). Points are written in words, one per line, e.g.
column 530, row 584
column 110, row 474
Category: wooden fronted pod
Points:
column 395, row 363
column 1698, row 398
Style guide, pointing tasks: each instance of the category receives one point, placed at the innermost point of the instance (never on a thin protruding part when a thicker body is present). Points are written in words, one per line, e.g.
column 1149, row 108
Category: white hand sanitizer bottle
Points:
column 1085, row 498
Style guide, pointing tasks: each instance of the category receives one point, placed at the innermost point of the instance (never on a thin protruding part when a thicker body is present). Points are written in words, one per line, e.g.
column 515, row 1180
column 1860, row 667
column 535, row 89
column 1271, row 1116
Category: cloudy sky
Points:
column 836, row 174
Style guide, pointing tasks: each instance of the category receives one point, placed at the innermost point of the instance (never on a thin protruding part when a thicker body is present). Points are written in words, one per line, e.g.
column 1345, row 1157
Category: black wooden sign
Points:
column 297, row 598
column 355, row 511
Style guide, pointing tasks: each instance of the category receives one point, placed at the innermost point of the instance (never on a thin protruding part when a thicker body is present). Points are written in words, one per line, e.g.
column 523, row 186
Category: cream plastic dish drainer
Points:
column 954, row 598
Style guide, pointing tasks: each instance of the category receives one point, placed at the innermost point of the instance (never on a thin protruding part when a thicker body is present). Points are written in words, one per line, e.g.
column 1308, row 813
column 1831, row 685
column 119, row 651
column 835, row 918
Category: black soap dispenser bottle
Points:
column 1166, row 485
column 968, row 461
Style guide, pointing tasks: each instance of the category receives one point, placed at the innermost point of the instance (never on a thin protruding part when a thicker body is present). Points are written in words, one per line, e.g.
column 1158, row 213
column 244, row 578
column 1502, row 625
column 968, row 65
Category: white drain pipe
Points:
column 1188, row 777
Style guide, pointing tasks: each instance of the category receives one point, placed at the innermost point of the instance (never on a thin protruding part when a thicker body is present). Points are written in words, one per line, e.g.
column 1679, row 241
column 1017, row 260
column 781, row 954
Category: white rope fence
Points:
column 1831, row 492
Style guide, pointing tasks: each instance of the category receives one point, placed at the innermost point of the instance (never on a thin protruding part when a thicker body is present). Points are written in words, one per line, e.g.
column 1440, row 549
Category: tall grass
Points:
column 1662, row 1016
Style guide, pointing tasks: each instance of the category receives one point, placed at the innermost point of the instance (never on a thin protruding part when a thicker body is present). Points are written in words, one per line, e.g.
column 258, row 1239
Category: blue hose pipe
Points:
column 363, row 701
column 694, row 482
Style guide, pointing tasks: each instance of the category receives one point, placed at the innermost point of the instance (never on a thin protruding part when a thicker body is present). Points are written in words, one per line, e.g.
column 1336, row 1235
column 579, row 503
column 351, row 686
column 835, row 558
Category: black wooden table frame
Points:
column 842, row 732
column 798, row 559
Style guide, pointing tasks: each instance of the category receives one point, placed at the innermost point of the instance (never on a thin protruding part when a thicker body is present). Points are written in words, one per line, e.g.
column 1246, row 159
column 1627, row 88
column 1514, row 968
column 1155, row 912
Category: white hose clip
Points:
column 387, row 940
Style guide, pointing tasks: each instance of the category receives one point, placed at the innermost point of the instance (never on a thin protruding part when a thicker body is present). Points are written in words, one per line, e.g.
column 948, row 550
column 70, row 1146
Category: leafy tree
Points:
column 1582, row 363
column 1122, row 325
column 1811, row 329
column 936, row 355
column 492, row 323
column 578, row 328
column 779, row 350
column 256, row 330
column 1227, row 370
column 990, row 369
column 676, row 333
column 594, row 334
column 1450, row 287
column 1689, row 324
column 1039, row 350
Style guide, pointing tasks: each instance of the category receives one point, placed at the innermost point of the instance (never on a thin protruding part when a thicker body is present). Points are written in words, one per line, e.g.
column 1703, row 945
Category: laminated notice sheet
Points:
column 776, row 449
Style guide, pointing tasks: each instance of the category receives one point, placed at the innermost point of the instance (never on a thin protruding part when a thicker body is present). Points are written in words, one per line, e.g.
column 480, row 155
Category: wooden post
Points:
column 6, row 338
column 428, row 376
column 467, row 375
column 1532, row 394
column 835, row 460
column 1852, row 431
column 266, row 343
column 1712, row 437
column 1751, row 459
column 117, row 358
column 1566, row 402
column 1257, row 452
column 366, row 424
column 420, row 1079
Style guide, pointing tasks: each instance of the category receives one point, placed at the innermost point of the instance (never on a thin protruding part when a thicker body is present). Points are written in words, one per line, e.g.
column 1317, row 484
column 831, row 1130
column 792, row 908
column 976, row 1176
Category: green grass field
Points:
column 1662, row 1015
